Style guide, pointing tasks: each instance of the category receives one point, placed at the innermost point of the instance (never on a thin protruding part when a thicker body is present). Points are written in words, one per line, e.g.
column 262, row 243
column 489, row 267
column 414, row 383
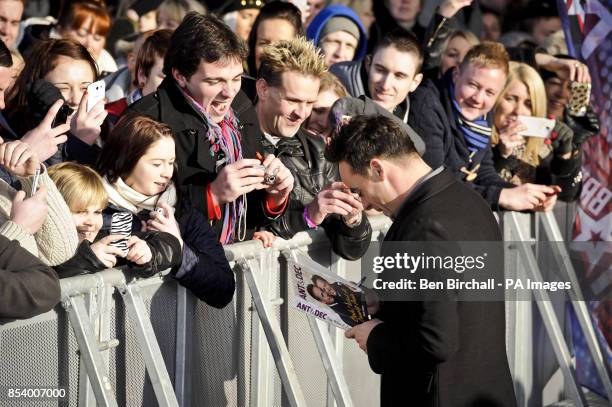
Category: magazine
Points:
column 329, row 297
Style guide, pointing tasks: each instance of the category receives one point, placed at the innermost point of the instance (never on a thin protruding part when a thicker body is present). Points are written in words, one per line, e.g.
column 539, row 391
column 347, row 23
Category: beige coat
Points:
column 56, row 241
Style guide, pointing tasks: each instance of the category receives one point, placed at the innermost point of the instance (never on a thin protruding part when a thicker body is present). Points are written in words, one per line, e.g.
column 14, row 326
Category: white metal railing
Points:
column 86, row 300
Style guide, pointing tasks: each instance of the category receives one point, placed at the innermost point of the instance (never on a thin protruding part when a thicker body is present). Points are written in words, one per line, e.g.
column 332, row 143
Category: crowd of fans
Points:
column 218, row 113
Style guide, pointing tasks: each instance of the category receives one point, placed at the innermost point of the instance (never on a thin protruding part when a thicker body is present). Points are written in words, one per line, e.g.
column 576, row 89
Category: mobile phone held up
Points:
column 62, row 115
column 579, row 100
column 95, row 93
column 536, row 126
column 121, row 224
column 36, row 180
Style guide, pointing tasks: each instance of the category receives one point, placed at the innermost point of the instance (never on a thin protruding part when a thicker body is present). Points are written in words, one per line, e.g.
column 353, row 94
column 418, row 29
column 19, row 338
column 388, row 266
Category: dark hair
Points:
column 202, row 38
column 41, row 61
column 127, row 143
column 316, row 277
column 6, row 60
column 365, row 137
column 275, row 9
column 310, row 289
column 156, row 45
column 404, row 41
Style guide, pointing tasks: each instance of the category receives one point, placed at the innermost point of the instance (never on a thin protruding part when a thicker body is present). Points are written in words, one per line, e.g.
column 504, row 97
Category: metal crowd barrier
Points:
column 114, row 342
column 536, row 327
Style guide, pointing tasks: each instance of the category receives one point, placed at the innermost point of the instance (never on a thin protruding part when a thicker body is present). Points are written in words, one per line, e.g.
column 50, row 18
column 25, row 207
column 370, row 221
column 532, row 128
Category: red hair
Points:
column 75, row 15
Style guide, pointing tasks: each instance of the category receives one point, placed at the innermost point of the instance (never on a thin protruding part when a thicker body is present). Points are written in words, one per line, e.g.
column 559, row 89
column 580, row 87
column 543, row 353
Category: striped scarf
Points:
column 226, row 137
column 477, row 133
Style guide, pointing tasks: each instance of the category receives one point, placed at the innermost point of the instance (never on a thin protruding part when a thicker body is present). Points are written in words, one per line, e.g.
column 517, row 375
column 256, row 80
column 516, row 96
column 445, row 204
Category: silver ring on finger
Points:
column 270, row 178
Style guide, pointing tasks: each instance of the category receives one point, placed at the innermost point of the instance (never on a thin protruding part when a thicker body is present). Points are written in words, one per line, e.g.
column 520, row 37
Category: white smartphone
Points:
column 536, row 126
column 95, row 93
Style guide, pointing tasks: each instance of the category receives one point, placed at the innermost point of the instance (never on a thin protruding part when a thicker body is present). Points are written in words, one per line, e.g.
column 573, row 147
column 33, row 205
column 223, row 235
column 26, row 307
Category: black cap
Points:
column 142, row 7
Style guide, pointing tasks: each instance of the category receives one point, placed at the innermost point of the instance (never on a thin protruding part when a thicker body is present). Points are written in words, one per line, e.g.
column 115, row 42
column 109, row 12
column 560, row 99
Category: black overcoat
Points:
column 444, row 353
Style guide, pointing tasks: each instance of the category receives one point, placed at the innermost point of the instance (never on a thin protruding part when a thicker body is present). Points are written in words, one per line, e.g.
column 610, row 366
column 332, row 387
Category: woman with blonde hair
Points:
column 445, row 51
column 528, row 159
column 454, row 49
column 171, row 12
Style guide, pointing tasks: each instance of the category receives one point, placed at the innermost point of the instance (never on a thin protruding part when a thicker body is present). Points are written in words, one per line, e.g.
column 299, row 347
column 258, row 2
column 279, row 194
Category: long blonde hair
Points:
column 525, row 74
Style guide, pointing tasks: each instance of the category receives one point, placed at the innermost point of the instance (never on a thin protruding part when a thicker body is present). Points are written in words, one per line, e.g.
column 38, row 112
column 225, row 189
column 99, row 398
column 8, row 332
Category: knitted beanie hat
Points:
column 340, row 24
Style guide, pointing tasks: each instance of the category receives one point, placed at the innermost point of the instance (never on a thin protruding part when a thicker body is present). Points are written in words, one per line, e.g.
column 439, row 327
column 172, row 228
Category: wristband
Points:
column 272, row 209
column 309, row 221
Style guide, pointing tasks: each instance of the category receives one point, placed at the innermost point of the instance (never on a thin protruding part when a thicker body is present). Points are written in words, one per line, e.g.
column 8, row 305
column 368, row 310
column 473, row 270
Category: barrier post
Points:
column 154, row 362
column 86, row 395
column 271, row 327
column 89, row 350
column 548, row 315
column 180, row 361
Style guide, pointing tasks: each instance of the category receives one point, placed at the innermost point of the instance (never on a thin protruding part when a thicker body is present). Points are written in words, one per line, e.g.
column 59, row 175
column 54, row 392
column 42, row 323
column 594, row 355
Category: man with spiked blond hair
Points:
column 287, row 87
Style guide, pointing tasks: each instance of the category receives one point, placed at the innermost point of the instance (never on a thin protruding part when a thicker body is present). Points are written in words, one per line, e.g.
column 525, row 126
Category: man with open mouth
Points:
column 216, row 130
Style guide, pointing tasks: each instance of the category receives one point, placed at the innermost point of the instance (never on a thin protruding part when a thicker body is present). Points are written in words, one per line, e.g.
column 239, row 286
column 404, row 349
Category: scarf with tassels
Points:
column 226, row 137
column 477, row 133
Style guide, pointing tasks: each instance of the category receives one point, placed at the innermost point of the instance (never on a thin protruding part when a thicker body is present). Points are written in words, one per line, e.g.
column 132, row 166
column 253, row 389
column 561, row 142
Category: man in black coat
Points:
column 453, row 116
column 288, row 85
column 429, row 353
column 216, row 130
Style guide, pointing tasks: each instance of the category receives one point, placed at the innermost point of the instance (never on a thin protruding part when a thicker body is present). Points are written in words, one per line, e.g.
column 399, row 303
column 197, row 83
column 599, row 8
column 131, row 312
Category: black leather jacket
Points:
column 165, row 248
column 303, row 156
